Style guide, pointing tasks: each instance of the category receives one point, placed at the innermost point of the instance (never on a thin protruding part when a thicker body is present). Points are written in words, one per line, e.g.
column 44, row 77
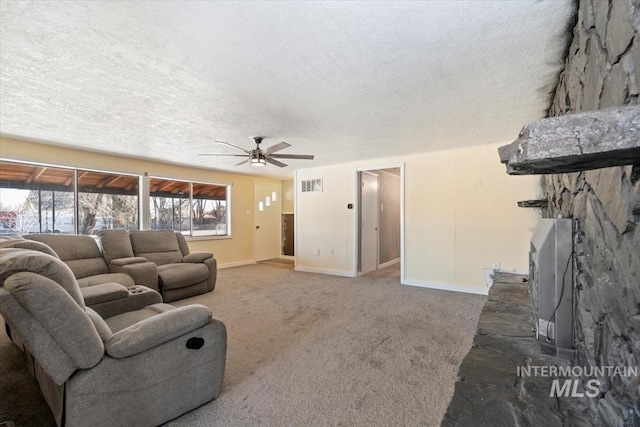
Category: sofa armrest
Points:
column 212, row 265
column 103, row 292
column 157, row 330
column 143, row 273
column 128, row 260
column 196, row 257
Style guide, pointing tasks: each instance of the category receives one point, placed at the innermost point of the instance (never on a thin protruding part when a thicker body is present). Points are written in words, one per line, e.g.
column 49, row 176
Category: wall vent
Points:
column 311, row 185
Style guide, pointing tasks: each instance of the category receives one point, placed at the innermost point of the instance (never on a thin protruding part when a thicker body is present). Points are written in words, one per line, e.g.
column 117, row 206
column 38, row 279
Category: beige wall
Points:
column 288, row 196
column 238, row 249
column 460, row 216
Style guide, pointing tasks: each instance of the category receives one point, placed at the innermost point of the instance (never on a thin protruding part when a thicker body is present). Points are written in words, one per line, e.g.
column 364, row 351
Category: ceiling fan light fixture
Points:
column 259, row 157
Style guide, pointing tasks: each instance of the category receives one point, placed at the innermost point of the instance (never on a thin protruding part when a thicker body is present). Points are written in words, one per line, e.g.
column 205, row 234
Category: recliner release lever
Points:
column 195, row 343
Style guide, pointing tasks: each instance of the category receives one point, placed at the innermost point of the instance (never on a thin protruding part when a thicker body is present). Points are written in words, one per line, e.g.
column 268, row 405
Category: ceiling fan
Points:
column 260, row 157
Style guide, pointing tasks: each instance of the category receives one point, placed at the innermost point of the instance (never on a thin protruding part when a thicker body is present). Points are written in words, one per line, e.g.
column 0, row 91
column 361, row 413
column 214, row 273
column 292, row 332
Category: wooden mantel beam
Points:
column 576, row 142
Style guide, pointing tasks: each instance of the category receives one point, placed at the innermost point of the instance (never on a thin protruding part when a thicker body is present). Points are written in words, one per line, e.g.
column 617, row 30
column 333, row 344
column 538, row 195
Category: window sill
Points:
column 212, row 237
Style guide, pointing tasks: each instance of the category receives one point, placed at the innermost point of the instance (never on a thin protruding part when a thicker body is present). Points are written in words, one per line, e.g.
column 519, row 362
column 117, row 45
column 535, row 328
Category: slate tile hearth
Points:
column 489, row 391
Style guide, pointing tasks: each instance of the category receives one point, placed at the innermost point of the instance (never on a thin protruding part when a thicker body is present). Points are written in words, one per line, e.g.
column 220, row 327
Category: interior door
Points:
column 267, row 220
column 369, row 223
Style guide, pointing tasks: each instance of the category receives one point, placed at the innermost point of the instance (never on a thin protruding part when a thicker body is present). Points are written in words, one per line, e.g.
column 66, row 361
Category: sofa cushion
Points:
column 115, row 244
column 80, row 253
column 173, row 276
column 87, row 267
column 69, row 246
column 121, row 278
column 160, row 247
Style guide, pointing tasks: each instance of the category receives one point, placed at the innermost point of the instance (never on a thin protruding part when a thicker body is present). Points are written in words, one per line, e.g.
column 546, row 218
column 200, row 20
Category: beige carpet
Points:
column 309, row 349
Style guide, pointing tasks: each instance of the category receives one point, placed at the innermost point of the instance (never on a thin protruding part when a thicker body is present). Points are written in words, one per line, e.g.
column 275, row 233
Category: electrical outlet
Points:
column 495, row 265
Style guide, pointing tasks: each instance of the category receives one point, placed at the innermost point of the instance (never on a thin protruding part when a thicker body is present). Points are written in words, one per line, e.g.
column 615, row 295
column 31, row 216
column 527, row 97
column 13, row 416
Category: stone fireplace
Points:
column 602, row 70
column 588, row 154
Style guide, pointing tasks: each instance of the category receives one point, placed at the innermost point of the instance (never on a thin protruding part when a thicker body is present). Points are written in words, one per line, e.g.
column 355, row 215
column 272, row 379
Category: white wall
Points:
column 323, row 222
column 460, row 216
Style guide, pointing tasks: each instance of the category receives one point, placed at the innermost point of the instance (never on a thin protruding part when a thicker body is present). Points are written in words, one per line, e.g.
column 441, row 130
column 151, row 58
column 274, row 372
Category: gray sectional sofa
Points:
column 137, row 260
column 141, row 367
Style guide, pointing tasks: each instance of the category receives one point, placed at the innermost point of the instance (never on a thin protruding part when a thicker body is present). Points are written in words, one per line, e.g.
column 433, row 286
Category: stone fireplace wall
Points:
column 602, row 70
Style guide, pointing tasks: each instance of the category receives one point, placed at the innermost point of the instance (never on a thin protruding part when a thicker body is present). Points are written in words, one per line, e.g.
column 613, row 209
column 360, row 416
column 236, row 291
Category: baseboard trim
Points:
column 488, row 276
column 447, row 287
column 290, row 257
column 389, row 263
column 237, row 263
column 343, row 273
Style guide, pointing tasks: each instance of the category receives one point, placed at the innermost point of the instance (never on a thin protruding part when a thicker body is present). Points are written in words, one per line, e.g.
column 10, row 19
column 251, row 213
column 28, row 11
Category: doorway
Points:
column 267, row 220
column 380, row 219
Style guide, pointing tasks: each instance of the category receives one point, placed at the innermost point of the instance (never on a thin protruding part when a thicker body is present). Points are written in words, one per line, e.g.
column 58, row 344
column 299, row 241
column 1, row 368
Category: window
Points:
column 41, row 199
column 47, row 199
column 169, row 205
column 107, row 201
column 194, row 209
column 36, row 199
column 209, row 208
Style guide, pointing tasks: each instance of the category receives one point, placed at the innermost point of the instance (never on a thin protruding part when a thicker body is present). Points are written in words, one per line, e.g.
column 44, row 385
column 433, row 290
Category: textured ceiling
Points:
column 341, row 80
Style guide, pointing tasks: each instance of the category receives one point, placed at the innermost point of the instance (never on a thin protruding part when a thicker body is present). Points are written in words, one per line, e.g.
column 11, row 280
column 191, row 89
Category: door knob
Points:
column 257, row 226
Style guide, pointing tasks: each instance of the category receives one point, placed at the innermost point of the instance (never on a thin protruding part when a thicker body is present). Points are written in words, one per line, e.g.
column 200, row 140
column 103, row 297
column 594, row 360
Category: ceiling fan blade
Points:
column 274, row 162
column 293, row 156
column 226, row 155
column 277, row 147
column 242, row 162
column 234, row 146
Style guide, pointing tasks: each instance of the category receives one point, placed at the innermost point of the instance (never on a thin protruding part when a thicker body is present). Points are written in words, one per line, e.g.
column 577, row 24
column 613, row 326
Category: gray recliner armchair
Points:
column 142, row 368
